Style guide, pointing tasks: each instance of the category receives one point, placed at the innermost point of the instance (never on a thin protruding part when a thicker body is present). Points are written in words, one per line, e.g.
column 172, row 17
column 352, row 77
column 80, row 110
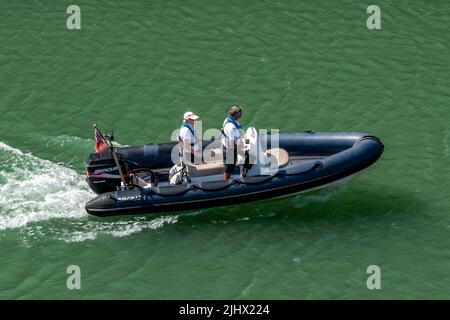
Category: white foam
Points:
column 92, row 230
column 5, row 147
column 36, row 190
column 33, row 189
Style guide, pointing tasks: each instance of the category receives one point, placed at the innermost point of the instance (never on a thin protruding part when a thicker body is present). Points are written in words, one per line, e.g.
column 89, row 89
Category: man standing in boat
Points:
column 232, row 140
column 190, row 149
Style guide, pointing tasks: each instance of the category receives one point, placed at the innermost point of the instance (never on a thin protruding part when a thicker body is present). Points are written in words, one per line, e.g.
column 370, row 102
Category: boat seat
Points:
column 138, row 181
column 208, row 169
column 281, row 156
column 204, row 169
column 143, row 178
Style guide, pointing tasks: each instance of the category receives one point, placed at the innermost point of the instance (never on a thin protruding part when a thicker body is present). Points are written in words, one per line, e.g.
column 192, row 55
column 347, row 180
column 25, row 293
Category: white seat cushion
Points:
column 281, row 156
column 205, row 169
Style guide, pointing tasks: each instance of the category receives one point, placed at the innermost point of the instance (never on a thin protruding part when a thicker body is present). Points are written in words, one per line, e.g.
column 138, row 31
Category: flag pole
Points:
column 111, row 147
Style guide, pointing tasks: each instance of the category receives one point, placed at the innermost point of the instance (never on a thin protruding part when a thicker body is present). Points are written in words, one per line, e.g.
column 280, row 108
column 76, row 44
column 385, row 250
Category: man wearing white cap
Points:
column 191, row 150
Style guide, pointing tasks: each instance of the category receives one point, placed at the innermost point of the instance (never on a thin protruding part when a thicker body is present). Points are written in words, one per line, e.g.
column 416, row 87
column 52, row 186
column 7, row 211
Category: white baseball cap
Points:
column 190, row 115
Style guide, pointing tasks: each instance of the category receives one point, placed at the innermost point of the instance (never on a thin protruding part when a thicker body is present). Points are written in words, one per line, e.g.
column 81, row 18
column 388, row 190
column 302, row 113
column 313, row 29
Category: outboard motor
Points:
column 102, row 174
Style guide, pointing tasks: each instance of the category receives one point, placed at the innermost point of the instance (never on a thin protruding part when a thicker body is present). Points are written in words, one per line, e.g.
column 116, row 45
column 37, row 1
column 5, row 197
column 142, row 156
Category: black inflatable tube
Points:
column 363, row 152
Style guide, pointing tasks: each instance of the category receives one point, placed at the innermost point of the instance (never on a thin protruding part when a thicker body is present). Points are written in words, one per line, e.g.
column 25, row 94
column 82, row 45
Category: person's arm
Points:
column 197, row 150
column 186, row 141
column 188, row 147
column 229, row 136
column 238, row 138
column 240, row 147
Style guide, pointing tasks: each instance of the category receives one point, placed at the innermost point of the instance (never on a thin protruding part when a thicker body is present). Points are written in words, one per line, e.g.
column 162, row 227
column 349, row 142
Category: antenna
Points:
column 112, row 130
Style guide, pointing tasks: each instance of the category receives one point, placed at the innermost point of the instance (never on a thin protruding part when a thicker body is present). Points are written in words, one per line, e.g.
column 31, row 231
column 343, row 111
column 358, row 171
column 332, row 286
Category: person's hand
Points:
column 240, row 159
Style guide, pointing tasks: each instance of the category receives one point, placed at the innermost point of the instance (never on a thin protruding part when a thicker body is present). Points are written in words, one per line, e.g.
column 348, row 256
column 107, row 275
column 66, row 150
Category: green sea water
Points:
column 292, row 65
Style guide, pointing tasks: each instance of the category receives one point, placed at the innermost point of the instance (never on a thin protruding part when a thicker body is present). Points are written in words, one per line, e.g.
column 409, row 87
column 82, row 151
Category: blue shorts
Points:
column 229, row 167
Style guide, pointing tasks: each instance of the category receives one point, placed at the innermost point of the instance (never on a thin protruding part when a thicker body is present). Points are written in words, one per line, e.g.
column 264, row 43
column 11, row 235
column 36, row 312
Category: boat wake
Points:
column 91, row 230
column 34, row 190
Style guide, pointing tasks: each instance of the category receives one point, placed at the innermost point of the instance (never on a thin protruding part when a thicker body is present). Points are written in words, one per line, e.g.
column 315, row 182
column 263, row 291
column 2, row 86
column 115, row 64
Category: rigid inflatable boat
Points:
column 297, row 162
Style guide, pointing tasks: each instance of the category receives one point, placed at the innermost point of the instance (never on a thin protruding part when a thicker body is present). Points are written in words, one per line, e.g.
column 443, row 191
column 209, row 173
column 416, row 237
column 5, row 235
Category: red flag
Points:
column 100, row 145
